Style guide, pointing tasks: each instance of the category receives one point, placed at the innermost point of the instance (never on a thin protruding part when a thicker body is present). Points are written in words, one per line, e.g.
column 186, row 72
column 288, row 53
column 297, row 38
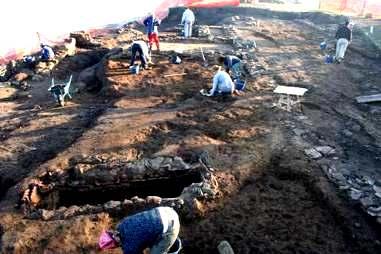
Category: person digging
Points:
column 141, row 48
column 47, row 53
column 156, row 229
column 231, row 64
column 222, row 84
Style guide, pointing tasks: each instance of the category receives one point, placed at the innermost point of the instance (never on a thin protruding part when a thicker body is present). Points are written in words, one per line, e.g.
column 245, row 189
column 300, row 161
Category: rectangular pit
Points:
column 168, row 187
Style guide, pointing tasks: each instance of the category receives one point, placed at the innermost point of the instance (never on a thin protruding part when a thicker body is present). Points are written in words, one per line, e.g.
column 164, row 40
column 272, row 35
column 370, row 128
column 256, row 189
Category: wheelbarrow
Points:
column 60, row 91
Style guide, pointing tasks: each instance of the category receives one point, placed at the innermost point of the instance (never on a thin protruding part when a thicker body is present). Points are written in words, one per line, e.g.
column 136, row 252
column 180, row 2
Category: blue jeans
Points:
column 168, row 238
column 236, row 70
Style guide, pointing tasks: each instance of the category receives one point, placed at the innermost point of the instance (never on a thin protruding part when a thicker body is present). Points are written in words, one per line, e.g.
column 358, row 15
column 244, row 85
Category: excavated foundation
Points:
column 92, row 185
column 166, row 187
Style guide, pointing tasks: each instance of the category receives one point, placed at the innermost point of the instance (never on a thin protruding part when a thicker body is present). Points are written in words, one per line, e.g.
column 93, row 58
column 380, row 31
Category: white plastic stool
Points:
column 289, row 96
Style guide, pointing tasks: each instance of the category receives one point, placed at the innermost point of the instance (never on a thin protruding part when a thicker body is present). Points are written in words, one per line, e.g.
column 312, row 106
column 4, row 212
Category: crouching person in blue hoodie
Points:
column 47, row 53
column 156, row 229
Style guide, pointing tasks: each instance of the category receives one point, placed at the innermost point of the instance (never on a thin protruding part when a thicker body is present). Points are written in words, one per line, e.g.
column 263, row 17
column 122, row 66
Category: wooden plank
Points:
column 369, row 98
column 174, row 75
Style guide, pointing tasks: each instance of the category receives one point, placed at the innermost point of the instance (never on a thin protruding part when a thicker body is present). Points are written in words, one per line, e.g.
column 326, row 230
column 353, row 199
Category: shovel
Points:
column 203, row 58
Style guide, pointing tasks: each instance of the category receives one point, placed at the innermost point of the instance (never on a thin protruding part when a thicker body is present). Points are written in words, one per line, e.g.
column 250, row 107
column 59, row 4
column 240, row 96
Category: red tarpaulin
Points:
column 354, row 7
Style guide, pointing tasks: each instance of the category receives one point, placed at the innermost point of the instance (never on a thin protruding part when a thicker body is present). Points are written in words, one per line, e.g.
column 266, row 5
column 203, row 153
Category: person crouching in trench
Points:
column 222, row 84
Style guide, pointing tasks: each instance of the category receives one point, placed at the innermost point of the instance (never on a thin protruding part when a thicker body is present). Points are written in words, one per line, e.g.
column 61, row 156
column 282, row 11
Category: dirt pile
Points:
column 238, row 169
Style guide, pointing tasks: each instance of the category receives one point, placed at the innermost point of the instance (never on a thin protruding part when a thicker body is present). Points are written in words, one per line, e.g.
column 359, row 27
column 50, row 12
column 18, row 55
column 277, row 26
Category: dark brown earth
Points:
column 273, row 198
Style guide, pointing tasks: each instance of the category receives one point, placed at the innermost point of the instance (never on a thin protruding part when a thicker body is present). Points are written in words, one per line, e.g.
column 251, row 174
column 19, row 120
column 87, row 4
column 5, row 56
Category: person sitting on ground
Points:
column 188, row 20
column 156, row 229
column 344, row 37
column 141, row 48
column 222, row 84
column 232, row 63
column 152, row 24
column 47, row 53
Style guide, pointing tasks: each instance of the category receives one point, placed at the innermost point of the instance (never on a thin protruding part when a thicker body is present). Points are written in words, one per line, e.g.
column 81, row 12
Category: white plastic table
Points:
column 289, row 96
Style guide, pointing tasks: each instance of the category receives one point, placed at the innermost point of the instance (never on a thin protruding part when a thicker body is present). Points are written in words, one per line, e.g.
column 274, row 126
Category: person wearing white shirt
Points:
column 222, row 84
column 188, row 20
column 140, row 47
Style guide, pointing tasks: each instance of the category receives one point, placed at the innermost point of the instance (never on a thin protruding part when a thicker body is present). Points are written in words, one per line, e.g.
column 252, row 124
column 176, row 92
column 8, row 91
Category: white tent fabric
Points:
column 27, row 23
column 21, row 20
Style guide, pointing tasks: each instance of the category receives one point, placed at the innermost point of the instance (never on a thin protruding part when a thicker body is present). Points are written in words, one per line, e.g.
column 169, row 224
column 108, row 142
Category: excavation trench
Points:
column 168, row 187
column 116, row 186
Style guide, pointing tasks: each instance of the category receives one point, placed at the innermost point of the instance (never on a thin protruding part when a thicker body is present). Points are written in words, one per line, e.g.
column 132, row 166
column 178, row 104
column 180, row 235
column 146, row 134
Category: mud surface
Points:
column 273, row 198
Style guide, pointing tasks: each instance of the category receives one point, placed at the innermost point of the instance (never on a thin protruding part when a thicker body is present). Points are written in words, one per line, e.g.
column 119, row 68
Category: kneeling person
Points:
column 156, row 229
column 222, row 84
column 47, row 53
column 142, row 48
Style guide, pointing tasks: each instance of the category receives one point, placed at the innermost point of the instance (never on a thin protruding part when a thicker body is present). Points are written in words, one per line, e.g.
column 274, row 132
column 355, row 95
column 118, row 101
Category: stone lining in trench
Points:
column 92, row 185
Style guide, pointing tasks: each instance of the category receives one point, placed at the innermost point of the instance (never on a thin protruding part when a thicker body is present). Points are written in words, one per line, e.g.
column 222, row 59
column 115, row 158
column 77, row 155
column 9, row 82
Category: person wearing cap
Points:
column 141, row 48
column 344, row 37
column 232, row 63
column 156, row 229
column 47, row 53
column 188, row 20
column 151, row 23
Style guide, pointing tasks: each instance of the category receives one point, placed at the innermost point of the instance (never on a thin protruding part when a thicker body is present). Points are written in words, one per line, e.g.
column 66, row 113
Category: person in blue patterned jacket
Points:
column 156, row 229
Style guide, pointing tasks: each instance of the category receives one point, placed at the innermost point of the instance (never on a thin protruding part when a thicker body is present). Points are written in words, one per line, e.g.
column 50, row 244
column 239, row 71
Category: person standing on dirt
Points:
column 152, row 24
column 156, row 229
column 232, row 63
column 47, row 53
column 188, row 20
column 344, row 37
column 141, row 48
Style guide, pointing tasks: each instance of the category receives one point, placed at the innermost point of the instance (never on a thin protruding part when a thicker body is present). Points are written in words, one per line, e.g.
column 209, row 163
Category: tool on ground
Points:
column 60, row 91
column 203, row 58
column 204, row 92
column 174, row 75
column 369, row 98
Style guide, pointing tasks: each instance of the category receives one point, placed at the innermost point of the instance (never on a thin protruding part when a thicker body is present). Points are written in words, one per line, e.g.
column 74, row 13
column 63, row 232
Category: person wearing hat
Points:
column 344, row 37
column 141, row 48
column 156, row 229
column 47, row 53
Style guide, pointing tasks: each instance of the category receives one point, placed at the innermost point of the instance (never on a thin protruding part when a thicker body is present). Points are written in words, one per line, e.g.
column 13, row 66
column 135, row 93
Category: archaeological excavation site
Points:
column 289, row 164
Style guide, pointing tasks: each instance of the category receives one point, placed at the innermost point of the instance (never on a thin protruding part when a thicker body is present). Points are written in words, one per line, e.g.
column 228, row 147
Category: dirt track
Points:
column 273, row 198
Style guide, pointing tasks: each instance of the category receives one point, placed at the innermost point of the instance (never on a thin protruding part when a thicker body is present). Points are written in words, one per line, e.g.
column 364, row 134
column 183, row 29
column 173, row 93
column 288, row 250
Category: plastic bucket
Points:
column 239, row 84
column 135, row 69
column 323, row 45
column 329, row 59
column 176, row 247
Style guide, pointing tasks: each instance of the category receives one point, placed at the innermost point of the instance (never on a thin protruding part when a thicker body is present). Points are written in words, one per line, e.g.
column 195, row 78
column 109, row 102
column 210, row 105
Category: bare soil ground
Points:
column 274, row 199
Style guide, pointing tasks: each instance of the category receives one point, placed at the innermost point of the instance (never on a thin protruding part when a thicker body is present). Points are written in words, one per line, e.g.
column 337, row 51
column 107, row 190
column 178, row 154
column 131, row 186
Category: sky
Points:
column 20, row 20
